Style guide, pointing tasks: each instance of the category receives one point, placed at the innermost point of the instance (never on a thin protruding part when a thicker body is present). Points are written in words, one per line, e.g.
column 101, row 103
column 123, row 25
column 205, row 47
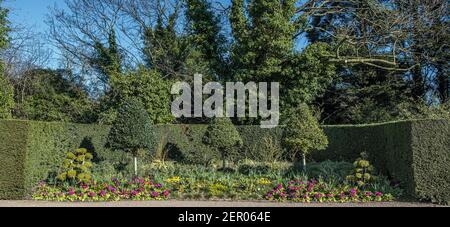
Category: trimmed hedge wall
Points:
column 32, row 151
column 417, row 153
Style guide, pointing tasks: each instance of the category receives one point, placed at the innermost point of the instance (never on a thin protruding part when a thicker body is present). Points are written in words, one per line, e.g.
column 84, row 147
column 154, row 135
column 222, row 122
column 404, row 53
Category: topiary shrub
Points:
column 77, row 167
column 223, row 137
column 304, row 134
column 132, row 130
column 363, row 173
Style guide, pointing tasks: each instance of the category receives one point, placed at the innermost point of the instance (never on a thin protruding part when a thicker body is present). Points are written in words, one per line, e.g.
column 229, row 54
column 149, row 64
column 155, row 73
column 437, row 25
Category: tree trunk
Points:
column 304, row 162
column 135, row 166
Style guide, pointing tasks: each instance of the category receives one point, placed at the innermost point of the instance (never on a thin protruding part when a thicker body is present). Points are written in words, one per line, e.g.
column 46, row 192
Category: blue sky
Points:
column 30, row 12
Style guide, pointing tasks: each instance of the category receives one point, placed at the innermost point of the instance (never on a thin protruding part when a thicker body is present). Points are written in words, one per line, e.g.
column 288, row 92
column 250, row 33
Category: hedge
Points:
column 417, row 153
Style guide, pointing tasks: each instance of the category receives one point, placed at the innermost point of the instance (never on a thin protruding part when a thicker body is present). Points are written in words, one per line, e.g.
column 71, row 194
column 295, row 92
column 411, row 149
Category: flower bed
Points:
column 113, row 190
column 314, row 191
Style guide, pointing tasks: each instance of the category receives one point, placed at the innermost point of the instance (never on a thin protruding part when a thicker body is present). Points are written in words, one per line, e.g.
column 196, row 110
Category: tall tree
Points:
column 264, row 33
column 6, row 91
column 52, row 95
column 206, row 34
column 86, row 32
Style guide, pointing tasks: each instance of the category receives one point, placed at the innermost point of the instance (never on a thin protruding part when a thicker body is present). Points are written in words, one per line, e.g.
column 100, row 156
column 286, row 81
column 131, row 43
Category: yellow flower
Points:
column 173, row 180
column 264, row 181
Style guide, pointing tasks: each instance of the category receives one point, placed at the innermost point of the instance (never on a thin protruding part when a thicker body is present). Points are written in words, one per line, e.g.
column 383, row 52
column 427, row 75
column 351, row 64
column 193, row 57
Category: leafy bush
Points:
column 304, row 134
column 76, row 166
column 132, row 130
column 148, row 86
column 223, row 137
column 6, row 98
column 363, row 173
column 329, row 170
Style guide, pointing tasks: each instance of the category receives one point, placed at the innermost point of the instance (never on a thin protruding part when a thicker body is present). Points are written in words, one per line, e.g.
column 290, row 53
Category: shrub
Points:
column 415, row 153
column 6, row 97
column 304, row 134
column 223, row 137
column 363, row 173
column 76, row 166
column 132, row 130
column 149, row 87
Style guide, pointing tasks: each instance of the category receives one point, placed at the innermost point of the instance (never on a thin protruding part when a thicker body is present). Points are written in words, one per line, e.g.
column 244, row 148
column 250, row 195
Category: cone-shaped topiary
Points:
column 76, row 166
column 303, row 133
column 223, row 137
column 363, row 173
column 132, row 130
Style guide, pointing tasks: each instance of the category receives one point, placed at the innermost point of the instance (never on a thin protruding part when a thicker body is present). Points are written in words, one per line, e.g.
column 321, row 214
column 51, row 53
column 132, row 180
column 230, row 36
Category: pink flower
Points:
column 102, row 193
column 71, row 192
column 378, row 194
column 166, row 193
column 92, row 194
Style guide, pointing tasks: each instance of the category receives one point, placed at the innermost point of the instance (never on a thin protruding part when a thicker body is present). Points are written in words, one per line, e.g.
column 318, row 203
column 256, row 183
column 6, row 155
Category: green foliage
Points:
column 36, row 150
column 6, row 97
column 264, row 32
column 415, row 153
column 431, row 157
column 50, row 95
column 146, row 85
column 309, row 76
column 4, row 26
column 167, row 52
column 132, row 129
column 76, row 167
column 185, row 144
column 363, row 172
column 223, row 137
column 206, row 35
column 304, row 133
column 107, row 58
column 6, row 90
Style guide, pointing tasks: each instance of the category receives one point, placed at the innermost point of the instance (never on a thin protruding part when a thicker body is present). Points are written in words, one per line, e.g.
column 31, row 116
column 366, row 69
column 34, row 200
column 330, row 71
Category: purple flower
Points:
column 155, row 194
column 166, row 193
column 102, row 193
column 92, row 194
column 378, row 194
column 134, row 193
column 71, row 192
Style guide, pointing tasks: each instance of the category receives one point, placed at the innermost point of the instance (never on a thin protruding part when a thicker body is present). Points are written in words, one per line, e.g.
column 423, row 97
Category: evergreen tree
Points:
column 107, row 59
column 206, row 36
column 132, row 130
column 6, row 90
column 263, row 51
column 223, row 137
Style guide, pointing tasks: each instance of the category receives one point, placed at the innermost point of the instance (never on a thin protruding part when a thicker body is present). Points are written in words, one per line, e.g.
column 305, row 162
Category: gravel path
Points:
column 29, row 203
